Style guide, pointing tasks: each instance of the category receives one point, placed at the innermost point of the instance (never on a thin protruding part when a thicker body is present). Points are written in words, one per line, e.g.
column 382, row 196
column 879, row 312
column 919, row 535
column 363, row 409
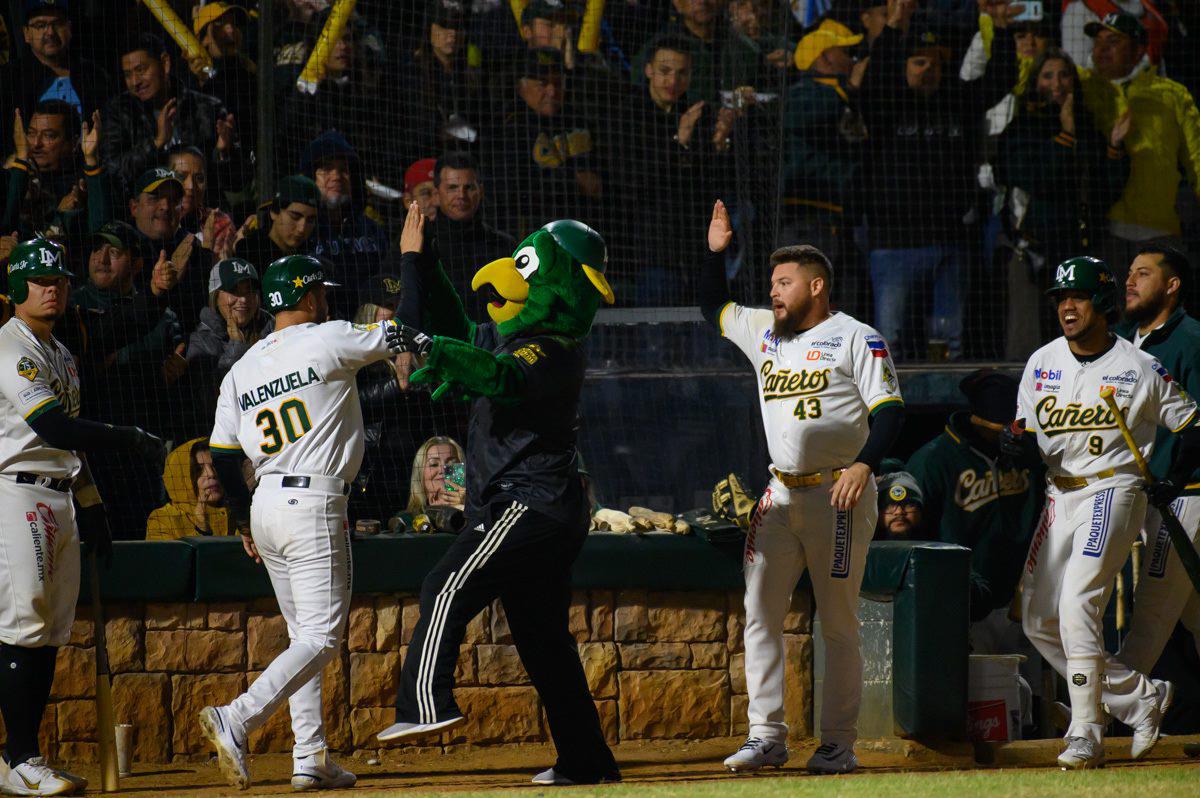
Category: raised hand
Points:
column 181, row 257
column 412, row 237
column 1121, row 129
column 720, row 231
column 20, row 143
column 687, row 123
column 225, row 133
column 89, row 142
column 163, row 277
column 165, row 124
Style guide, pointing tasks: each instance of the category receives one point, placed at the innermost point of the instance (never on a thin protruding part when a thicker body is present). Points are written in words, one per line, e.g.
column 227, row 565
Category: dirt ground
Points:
column 650, row 762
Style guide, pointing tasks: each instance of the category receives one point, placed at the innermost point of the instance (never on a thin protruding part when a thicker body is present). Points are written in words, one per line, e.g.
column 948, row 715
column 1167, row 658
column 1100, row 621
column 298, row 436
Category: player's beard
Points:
column 789, row 326
column 1147, row 309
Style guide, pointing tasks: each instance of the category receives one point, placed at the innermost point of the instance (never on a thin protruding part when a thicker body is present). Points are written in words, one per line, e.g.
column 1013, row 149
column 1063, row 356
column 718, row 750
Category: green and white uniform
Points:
column 39, row 542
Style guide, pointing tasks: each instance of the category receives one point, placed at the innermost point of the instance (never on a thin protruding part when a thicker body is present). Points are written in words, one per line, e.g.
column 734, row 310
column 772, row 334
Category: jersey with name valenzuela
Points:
column 817, row 389
column 1077, row 434
column 291, row 403
column 35, row 377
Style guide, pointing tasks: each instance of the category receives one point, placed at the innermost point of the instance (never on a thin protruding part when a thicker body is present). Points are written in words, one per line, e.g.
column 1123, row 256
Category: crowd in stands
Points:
column 946, row 154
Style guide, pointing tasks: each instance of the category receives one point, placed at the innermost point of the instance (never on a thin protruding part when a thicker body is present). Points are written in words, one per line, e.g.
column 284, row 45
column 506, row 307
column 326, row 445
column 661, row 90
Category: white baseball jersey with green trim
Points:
column 1059, row 399
column 817, row 389
column 34, row 377
column 291, row 404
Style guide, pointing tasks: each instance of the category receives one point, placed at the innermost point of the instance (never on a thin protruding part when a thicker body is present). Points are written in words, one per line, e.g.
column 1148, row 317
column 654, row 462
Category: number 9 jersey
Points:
column 291, row 403
column 1077, row 435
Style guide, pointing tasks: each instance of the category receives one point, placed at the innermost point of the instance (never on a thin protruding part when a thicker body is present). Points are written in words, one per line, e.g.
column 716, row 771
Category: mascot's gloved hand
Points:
column 469, row 371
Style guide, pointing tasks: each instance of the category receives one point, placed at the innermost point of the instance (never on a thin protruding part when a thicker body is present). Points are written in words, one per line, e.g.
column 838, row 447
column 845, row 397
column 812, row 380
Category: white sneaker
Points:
column 319, row 772
column 757, row 753
column 231, row 751
column 1081, row 754
column 1147, row 732
column 79, row 781
column 832, row 758
column 398, row 730
column 551, row 778
column 32, row 777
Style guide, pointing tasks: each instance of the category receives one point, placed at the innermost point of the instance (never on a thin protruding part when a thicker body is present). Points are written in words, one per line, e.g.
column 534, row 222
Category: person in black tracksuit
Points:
column 527, row 511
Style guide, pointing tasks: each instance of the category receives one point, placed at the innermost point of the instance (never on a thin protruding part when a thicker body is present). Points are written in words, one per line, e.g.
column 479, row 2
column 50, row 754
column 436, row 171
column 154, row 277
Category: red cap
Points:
column 419, row 172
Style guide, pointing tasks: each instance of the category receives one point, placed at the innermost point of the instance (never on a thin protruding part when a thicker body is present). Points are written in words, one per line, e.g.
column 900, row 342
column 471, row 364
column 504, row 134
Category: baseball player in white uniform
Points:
column 40, row 473
column 1095, row 500
column 831, row 408
column 290, row 404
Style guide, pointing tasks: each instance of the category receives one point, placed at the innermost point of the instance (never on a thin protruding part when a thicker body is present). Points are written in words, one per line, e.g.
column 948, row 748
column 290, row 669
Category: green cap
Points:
column 288, row 279
column 1091, row 276
column 226, row 274
column 582, row 242
column 37, row 257
column 119, row 234
column 153, row 179
column 297, row 188
column 1118, row 22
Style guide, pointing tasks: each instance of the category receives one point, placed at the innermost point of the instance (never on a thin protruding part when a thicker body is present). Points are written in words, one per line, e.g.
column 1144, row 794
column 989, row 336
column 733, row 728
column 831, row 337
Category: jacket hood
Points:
column 177, row 474
column 331, row 144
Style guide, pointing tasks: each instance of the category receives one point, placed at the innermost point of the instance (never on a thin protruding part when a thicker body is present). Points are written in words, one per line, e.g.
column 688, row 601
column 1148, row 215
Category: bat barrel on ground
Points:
column 1179, row 538
column 110, row 778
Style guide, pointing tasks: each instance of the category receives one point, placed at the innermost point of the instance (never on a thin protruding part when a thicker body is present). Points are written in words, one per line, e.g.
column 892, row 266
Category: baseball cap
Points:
column 226, row 274
column 384, row 289
column 420, row 172
column 830, row 33
column 553, row 10
column 34, row 8
column 540, row 62
column 899, row 487
column 991, row 394
column 153, row 179
column 927, row 42
column 1118, row 22
column 449, row 14
column 208, row 13
column 118, row 234
column 297, row 188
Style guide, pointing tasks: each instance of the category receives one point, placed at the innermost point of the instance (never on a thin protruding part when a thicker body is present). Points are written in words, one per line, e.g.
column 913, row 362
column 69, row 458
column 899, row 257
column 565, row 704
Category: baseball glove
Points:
column 731, row 501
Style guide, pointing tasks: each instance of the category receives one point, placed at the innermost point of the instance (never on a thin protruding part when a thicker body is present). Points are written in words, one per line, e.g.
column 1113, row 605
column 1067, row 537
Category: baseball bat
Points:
column 110, row 777
column 1179, row 538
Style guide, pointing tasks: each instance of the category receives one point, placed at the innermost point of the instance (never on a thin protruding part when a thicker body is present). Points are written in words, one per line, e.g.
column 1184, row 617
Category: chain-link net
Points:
column 945, row 154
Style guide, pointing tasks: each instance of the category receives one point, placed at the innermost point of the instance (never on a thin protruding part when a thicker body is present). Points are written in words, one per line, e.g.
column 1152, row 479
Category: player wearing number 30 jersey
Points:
column 291, row 405
column 831, row 408
column 1095, row 500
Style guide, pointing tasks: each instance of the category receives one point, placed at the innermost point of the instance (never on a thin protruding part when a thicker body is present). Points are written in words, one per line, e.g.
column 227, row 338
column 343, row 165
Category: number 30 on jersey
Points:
column 292, row 417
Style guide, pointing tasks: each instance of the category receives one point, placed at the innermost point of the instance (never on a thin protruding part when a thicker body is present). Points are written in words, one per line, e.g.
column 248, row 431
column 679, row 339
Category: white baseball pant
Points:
column 792, row 530
column 1081, row 542
column 1164, row 596
column 302, row 537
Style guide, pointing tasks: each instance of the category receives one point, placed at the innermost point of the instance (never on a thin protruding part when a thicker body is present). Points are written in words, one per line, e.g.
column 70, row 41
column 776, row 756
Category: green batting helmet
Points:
column 289, row 278
column 1091, row 276
column 37, row 257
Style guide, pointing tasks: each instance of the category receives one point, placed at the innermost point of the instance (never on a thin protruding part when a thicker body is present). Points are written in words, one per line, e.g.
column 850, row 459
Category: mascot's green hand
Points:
column 428, row 375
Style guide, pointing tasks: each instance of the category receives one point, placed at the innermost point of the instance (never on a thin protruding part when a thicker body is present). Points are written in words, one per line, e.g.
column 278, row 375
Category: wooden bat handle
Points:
column 110, row 777
column 1108, row 394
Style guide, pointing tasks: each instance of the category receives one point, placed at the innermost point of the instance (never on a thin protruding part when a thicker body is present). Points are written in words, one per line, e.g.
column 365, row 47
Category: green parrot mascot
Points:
column 526, row 508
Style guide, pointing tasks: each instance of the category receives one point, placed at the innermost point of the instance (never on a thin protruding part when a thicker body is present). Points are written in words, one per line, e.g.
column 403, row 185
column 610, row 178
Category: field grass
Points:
column 1159, row 781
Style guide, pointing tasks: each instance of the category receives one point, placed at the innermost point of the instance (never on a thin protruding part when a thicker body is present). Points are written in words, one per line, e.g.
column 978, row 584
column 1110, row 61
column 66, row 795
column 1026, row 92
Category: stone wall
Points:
column 660, row 665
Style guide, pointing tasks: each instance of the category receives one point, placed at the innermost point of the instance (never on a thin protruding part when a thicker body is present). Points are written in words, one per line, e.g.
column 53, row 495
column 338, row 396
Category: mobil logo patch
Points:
column 1098, row 526
column 840, row 567
column 1047, row 375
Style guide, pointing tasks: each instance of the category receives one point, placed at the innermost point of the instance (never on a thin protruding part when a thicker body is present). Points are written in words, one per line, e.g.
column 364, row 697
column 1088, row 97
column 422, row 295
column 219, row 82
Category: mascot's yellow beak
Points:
column 509, row 289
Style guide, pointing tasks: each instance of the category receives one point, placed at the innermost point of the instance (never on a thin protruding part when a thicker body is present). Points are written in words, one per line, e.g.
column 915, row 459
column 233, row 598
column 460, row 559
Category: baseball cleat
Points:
column 551, row 778
column 231, row 751
column 1146, row 733
column 1081, row 754
column 32, row 777
column 319, row 772
column 831, row 758
column 398, row 730
column 79, row 781
column 757, row 753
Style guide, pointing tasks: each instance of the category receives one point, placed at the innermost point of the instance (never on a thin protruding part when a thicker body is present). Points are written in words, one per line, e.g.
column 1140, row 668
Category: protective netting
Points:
column 944, row 153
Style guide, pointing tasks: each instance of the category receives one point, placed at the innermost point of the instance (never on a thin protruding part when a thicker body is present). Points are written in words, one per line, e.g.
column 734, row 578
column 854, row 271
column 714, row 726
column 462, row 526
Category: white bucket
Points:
column 994, row 697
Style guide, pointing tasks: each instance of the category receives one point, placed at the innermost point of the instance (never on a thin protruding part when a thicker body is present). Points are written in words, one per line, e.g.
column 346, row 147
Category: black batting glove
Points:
column 402, row 338
column 94, row 530
column 1162, row 492
column 146, row 445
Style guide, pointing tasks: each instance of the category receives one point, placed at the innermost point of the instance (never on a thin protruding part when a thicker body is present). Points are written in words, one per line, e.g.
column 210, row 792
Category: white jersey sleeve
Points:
column 743, row 326
column 353, row 346
column 25, row 381
column 874, row 371
column 1167, row 405
column 224, row 436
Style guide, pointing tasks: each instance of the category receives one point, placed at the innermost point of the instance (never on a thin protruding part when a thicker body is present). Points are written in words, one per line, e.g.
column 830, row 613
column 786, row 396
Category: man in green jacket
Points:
column 1156, row 322
column 978, row 498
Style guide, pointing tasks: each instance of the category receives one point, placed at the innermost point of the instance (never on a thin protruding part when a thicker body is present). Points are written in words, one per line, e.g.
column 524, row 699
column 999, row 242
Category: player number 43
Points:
column 808, row 408
column 292, row 417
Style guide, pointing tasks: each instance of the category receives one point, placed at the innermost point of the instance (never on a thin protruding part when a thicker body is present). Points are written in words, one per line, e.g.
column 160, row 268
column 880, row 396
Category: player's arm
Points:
column 428, row 300
column 227, row 457
column 60, row 431
column 713, row 287
column 875, row 377
column 1175, row 410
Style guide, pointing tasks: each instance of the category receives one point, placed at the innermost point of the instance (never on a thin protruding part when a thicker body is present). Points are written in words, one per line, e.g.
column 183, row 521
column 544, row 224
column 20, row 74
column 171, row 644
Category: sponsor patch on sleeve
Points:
column 1160, row 371
column 366, row 327
column 877, row 346
column 27, row 368
column 36, row 394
